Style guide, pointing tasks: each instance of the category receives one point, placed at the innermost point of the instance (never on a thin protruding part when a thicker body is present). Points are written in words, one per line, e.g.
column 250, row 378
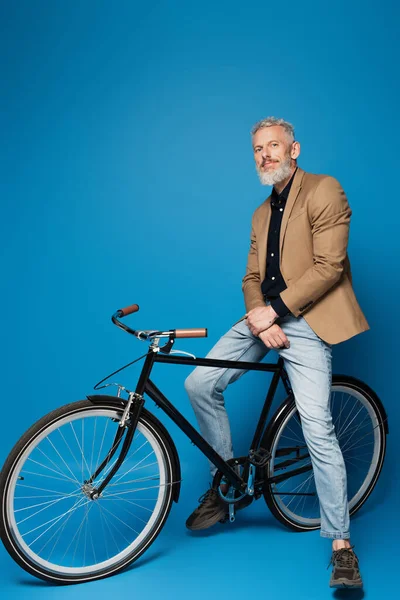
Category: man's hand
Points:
column 273, row 337
column 260, row 318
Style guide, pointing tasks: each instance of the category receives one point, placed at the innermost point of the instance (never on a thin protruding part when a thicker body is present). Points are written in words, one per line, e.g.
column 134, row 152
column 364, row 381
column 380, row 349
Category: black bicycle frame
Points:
column 145, row 385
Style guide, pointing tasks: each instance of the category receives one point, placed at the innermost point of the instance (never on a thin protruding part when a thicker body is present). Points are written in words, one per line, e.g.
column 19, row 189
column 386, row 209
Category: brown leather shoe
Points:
column 213, row 509
column 210, row 510
column 346, row 572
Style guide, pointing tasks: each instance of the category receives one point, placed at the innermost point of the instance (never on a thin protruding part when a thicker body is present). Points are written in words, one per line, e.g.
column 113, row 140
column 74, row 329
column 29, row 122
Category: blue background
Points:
column 127, row 176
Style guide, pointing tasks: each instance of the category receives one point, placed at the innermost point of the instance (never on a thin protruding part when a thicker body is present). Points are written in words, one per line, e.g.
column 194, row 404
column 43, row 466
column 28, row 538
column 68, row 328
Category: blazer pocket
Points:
column 298, row 214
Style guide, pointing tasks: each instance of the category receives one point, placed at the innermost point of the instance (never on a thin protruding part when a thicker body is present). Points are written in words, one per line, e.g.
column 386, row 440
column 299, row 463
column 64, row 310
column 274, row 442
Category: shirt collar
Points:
column 283, row 196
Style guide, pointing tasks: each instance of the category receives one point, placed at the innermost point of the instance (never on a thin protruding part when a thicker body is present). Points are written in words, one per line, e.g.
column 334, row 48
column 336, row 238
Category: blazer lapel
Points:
column 290, row 202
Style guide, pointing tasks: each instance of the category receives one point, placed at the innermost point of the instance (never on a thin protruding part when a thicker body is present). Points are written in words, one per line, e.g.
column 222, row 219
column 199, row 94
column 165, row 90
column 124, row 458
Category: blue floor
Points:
column 253, row 556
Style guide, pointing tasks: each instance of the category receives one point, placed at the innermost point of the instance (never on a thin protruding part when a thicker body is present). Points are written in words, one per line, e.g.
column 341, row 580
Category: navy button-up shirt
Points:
column 274, row 283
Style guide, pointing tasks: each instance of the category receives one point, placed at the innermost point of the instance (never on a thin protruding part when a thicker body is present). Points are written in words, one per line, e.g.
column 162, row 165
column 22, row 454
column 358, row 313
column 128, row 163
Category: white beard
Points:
column 277, row 175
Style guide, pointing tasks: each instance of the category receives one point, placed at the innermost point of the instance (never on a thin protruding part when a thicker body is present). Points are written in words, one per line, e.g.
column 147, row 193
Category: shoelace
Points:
column 344, row 558
column 210, row 492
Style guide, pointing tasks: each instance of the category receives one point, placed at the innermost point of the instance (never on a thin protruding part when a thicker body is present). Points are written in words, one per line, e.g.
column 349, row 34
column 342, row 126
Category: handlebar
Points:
column 150, row 334
column 190, row 333
column 128, row 310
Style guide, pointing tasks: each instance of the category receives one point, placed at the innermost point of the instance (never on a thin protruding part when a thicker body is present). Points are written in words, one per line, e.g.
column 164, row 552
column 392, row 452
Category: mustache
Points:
column 268, row 160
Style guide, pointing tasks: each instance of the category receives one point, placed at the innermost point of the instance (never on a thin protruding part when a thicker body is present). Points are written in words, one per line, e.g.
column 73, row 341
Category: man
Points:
column 299, row 301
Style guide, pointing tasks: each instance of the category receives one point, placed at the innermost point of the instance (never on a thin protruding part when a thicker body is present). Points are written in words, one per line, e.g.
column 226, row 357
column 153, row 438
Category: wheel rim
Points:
column 55, row 524
column 360, row 438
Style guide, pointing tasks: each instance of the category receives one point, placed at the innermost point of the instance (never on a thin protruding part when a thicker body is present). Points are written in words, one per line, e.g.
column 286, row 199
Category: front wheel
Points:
column 48, row 522
column 360, row 424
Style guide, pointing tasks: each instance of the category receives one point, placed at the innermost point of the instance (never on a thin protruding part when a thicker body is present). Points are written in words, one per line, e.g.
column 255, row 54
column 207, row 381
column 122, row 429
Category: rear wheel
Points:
column 48, row 522
column 359, row 422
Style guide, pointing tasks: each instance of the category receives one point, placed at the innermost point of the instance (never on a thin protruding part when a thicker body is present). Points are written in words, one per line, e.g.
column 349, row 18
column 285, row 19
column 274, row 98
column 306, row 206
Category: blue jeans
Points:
column 308, row 365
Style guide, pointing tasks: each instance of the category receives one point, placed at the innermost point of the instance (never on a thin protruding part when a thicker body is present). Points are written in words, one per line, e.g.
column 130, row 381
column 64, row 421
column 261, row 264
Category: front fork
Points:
column 128, row 424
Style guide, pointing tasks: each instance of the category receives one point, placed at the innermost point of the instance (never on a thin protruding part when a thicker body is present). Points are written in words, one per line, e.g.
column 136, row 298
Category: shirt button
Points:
column 272, row 254
column 281, row 209
column 272, row 278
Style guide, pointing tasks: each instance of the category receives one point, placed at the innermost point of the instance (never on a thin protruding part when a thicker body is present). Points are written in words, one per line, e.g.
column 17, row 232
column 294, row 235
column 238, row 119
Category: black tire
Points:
column 13, row 464
column 274, row 498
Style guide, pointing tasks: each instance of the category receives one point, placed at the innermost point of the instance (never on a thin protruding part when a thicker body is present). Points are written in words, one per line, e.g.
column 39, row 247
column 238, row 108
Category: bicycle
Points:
column 101, row 509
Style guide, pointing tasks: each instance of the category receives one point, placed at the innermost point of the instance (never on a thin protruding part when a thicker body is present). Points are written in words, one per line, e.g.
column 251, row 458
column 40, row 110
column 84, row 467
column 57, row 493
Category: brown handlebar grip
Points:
column 129, row 310
column 190, row 333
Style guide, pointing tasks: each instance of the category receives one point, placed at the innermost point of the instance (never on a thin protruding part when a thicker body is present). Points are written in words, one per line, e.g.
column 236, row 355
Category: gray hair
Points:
column 270, row 121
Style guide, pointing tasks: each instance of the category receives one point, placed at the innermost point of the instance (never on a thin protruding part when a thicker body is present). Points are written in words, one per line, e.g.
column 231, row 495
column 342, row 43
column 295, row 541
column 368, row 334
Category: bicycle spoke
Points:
column 83, row 446
column 306, row 492
column 47, row 476
column 361, row 438
column 151, row 487
column 120, row 520
column 106, row 472
column 367, row 462
column 108, row 522
column 363, row 459
column 134, row 504
column 35, row 497
column 41, row 510
column 108, row 466
column 113, row 496
column 84, row 521
column 357, row 467
column 57, row 467
column 61, row 527
column 300, row 488
column 316, row 501
column 131, row 455
column 346, row 446
column 94, row 552
column 103, row 521
column 56, row 470
column 291, row 430
column 49, row 503
column 152, row 478
column 355, row 416
column 77, row 533
column 134, row 467
column 348, row 416
column 297, row 440
column 53, row 446
column 94, row 438
column 342, row 409
column 366, row 422
column 148, row 478
column 81, row 451
column 32, row 487
column 101, row 446
column 55, row 520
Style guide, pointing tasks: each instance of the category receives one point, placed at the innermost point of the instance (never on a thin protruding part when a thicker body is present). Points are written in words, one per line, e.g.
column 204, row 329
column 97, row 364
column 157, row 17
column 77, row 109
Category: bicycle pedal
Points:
column 260, row 457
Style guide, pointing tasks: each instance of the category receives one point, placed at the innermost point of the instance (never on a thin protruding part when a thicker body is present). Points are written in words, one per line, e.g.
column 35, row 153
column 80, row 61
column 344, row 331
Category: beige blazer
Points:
column 313, row 258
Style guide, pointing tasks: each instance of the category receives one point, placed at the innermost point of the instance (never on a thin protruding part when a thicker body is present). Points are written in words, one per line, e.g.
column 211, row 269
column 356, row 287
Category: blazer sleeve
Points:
column 330, row 220
column 251, row 283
